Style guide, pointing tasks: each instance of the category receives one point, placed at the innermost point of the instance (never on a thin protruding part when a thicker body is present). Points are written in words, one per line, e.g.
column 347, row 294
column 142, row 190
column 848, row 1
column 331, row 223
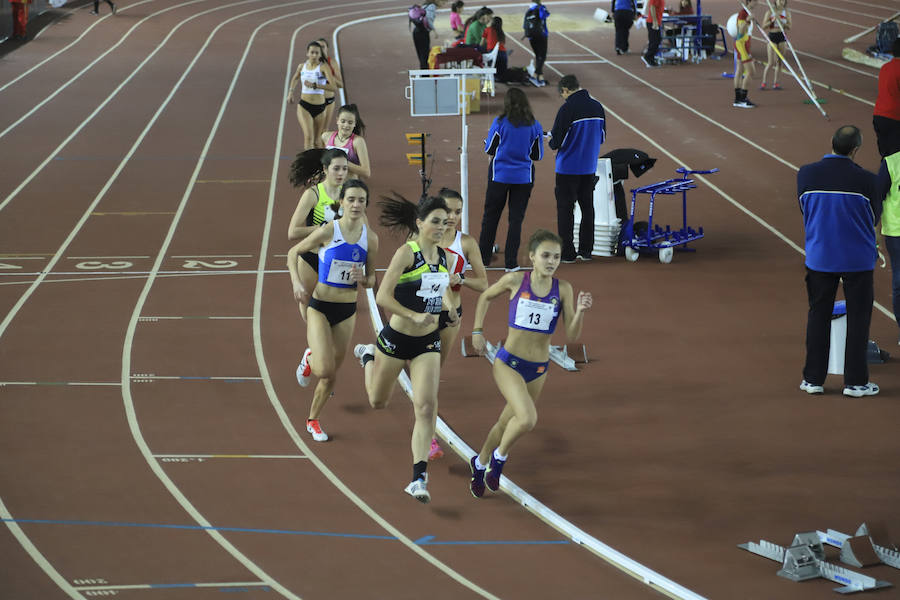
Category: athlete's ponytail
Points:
column 309, row 166
column 398, row 213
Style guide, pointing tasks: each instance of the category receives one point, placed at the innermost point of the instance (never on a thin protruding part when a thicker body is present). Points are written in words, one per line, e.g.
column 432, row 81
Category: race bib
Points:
column 531, row 314
column 433, row 285
column 339, row 271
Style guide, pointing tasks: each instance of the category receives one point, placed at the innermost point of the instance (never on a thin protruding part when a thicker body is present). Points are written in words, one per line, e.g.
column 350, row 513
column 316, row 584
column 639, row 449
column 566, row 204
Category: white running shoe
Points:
column 303, row 370
column 312, row 426
column 811, row 388
column 858, row 391
column 418, row 489
column 361, row 350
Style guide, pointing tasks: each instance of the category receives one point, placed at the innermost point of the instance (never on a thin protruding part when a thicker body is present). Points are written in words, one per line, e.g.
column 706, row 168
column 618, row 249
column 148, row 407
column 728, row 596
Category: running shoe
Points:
column 418, row 489
column 584, row 258
column 436, row 451
column 858, row 391
column 476, row 485
column 361, row 350
column 777, row 87
column 492, row 475
column 93, row 12
column 763, row 87
column 113, row 8
column 303, row 369
column 811, row 388
column 312, row 426
column 533, row 81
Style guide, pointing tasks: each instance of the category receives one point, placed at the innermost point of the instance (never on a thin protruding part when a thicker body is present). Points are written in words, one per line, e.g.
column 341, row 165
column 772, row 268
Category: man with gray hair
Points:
column 841, row 203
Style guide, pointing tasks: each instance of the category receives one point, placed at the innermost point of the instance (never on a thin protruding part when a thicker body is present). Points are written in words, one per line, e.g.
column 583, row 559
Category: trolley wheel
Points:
column 665, row 255
column 631, row 254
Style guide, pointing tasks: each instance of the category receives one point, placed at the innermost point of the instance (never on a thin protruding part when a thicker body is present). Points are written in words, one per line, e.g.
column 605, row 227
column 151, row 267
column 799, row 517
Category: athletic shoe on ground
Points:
column 492, row 475
column 763, row 87
column 568, row 261
column 303, row 369
column 93, row 12
column 476, row 485
column 744, row 104
column 584, row 258
column 858, row 391
column 512, row 269
column 418, row 489
column 533, row 81
column 777, row 87
column 542, row 81
column 436, row 451
column 361, row 350
column 619, row 52
column 312, row 426
column 646, row 64
column 811, row 388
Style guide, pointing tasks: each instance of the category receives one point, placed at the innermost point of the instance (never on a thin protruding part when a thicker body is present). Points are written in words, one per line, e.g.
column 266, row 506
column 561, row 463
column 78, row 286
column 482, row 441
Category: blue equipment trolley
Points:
column 655, row 238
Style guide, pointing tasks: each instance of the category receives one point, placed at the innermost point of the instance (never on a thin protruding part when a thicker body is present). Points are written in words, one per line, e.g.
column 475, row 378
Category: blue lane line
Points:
column 428, row 540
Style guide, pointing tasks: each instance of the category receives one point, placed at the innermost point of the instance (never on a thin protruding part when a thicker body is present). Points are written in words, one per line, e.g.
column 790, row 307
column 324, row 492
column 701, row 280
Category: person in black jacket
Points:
column 578, row 132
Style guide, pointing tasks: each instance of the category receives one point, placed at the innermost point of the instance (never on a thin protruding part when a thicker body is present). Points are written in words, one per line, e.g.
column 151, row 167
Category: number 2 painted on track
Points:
column 216, row 264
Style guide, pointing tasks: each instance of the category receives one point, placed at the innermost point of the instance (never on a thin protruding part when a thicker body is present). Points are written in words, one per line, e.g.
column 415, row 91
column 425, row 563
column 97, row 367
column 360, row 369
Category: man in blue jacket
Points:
column 578, row 133
column 841, row 203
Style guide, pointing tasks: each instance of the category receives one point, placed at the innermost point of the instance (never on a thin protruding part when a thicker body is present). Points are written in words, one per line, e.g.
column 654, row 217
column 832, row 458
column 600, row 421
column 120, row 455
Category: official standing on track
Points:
column 578, row 132
column 346, row 250
column 654, row 31
column 841, row 203
column 623, row 12
column 537, row 300
column 514, row 141
column 535, row 27
column 886, row 118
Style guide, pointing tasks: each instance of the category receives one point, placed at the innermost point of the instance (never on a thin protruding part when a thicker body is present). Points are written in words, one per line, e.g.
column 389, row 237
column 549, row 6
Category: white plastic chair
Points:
column 489, row 59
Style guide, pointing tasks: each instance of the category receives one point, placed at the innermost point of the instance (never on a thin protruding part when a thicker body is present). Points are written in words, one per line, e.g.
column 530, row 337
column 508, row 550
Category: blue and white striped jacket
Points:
column 578, row 133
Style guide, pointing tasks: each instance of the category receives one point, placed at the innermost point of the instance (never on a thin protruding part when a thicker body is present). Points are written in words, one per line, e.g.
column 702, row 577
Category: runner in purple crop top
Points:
column 537, row 300
column 349, row 138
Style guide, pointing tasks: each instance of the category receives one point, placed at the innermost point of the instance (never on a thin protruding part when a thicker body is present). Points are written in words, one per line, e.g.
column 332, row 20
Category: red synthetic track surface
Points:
column 150, row 221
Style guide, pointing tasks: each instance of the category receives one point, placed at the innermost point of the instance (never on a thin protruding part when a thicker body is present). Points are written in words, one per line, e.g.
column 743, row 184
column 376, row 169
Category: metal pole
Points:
column 464, row 160
column 789, row 44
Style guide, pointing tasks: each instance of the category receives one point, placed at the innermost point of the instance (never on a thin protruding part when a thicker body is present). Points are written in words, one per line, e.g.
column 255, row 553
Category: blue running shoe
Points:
column 492, row 476
column 476, row 486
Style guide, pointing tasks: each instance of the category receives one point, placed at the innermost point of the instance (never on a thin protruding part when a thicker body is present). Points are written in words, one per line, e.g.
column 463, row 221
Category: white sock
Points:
column 478, row 464
column 498, row 456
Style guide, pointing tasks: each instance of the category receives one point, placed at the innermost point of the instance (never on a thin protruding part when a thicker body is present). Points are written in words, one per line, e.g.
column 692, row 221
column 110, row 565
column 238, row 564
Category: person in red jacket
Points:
column 20, row 18
column 654, row 31
column 886, row 119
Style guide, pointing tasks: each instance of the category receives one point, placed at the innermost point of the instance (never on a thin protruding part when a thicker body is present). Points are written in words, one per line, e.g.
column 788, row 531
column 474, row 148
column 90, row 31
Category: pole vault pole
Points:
column 853, row 38
column 789, row 44
column 788, row 65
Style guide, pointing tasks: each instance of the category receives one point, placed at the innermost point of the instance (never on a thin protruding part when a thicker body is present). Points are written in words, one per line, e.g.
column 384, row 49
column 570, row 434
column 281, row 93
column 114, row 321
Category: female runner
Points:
column 323, row 172
column 316, row 77
column 537, row 300
column 349, row 138
column 466, row 248
column 776, row 36
column 338, row 80
column 413, row 290
column 346, row 252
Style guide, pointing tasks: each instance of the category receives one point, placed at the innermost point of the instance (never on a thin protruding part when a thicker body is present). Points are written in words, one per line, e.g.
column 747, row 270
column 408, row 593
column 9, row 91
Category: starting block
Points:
column 861, row 549
column 804, row 559
column 490, row 350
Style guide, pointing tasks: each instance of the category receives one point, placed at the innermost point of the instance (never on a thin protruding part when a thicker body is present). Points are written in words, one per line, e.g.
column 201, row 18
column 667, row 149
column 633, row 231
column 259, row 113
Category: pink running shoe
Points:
column 436, row 451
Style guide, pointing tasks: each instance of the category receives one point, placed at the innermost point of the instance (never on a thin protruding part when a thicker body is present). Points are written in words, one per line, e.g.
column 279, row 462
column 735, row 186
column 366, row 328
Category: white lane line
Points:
column 72, row 43
column 842, row 22
column 109, row 98
column 90, row 65
column 168, row 586
column 576, row 62
column 846, row 67
column 164, row 275
column 63, row 383
column 765, row 224
column 163, row 457
column 95, row 257
column 264, row 370
column 192, row 378
column 214, row 256
column 189, row 318
column 821, row 6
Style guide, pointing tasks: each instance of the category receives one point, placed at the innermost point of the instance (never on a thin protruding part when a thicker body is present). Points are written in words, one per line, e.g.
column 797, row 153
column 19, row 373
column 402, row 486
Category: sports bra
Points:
column 347, row 148
column 339, row 257
column 312, row 74
column 535, row 313
column 421, row 287
column 325, row 209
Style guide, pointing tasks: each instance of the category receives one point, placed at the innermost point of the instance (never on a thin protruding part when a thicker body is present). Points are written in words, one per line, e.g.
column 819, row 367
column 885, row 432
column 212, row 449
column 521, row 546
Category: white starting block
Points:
column 606, row 224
